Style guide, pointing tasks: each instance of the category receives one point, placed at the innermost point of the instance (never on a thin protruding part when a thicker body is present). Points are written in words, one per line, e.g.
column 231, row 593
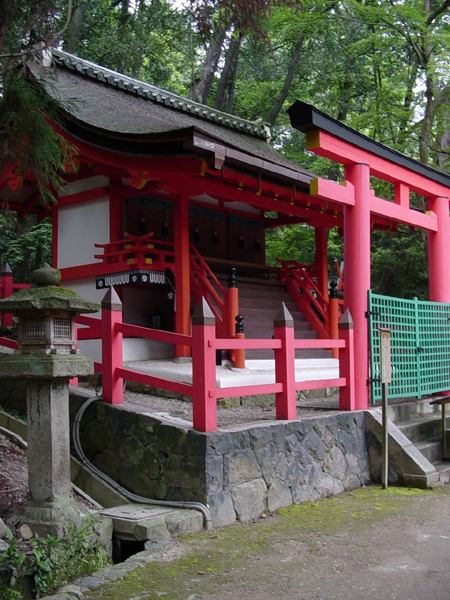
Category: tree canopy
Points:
column 381, row 67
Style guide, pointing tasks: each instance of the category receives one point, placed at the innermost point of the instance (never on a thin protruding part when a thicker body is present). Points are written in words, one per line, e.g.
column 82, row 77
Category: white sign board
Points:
column 385, row 355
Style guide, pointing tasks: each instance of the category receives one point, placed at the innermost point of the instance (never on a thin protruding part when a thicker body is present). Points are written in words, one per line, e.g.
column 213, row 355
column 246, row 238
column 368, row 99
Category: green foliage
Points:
column 13, row 558
column 27, row 140
column 52, row 562
column 399, row 264
column 25, row 244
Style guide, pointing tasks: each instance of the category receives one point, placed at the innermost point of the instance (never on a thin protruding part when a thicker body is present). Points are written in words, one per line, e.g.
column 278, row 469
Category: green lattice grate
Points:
column 420, row 345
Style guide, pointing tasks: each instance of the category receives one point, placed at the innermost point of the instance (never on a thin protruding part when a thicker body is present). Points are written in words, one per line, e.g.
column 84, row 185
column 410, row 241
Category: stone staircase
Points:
column 421, row 423
column 415, row 455
column 259, row 303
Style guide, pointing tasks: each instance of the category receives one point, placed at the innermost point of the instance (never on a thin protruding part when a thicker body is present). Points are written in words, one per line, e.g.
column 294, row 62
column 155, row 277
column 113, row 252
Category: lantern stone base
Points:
column 55, row 518
column 45, row 366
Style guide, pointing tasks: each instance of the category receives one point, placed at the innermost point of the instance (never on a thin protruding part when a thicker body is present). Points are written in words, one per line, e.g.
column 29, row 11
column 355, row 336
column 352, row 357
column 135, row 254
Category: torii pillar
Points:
column 357, row 273
column 439, row 251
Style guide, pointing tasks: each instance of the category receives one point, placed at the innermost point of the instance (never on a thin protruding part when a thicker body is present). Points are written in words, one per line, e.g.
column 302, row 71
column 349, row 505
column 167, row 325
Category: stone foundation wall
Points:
column 259, row 468
column 241, row 472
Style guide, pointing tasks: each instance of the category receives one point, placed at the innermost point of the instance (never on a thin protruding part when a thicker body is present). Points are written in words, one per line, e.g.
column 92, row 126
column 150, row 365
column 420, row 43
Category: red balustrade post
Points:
column 334, row 317
column 204, row 400
column 232, row 303
column 111, row 348
column 347, row 399
column 285, row 364
column 74, row 380
column 239, row 354
column 7, row 290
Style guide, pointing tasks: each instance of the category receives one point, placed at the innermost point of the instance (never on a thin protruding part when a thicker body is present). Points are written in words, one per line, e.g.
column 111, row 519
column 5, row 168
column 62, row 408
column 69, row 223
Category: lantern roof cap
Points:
column 47, row 296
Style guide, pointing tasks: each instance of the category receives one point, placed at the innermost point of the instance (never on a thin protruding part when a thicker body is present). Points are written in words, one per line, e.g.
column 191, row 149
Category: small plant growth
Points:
column 50, row 562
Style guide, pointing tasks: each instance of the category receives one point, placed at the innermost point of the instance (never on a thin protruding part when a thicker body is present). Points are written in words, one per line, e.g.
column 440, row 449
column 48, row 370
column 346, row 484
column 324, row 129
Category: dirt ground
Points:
column 368, row 544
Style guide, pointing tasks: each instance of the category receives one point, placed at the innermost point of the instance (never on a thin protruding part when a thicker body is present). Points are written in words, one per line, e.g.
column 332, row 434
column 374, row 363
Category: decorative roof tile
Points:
column 158, row 95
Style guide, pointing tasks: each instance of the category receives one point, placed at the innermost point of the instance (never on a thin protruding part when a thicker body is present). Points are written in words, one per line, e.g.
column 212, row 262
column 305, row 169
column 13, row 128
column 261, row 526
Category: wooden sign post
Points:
column 385, row 367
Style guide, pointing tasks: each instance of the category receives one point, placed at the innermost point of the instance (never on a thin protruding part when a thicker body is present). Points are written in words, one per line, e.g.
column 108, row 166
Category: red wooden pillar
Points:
column 357, row 273
column 334, row 324
column 347, row 362
column 55, row 233
column 182, row 270
column 112, row 357
column 439, row 251
column 7, row 290
column 321, row 260
column 204, row 401
column 285, row 365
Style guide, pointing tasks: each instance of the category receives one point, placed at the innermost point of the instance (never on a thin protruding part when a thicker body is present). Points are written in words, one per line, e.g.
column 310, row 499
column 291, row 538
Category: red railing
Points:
column 204, row 344
column 204, row 284
column 137, row 252
column 7, row 288
column 299, row 282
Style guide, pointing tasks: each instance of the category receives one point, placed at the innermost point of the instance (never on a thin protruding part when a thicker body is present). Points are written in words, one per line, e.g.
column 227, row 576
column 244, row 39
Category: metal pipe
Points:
column 134, row 497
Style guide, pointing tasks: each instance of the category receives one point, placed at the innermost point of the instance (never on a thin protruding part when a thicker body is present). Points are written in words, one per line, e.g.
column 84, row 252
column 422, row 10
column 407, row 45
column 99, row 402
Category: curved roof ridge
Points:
column 156, row 94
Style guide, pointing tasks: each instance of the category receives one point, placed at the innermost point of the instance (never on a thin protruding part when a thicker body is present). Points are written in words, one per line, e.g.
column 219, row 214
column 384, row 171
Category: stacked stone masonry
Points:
column 240, row 472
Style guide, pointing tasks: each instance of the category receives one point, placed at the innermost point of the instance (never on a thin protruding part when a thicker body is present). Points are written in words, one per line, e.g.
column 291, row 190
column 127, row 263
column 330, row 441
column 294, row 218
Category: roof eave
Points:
column 305, row 117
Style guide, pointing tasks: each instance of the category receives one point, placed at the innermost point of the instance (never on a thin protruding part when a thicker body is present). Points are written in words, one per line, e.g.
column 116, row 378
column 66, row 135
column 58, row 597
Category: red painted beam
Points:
column 249, row 390
column 342, row 193
column 158, row 382
column 321, row 383
column 325, row 144
column 401, row 214
column 154, row 334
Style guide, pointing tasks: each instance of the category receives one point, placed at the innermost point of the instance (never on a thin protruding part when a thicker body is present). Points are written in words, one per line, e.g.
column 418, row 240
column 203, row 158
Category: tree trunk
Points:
column 228, row 71
column 201, row 88
column 278, row 104
column 74, row 31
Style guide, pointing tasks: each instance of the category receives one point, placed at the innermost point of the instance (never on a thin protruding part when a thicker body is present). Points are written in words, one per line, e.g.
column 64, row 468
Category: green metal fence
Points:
column 420, row 345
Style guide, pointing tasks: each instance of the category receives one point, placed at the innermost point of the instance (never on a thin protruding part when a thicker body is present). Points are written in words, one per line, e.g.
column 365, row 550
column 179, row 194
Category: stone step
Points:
column 269, row 305
column 432, row 450
column 443, row 469
column 267, row 315
column 405, row 410
column 142, row 522
column 422, row 428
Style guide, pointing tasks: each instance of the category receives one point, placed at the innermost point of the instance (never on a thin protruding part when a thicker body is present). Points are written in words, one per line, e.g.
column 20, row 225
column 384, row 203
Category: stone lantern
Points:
column 47, row 358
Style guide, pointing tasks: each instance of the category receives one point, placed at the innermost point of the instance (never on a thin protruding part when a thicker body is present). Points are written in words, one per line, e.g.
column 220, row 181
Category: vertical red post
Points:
column 347, row 362
column 286, row 408
column 74, row 380
column 239, row 354
column 321, row 260
column 182, row 271
column 55, row 232
column 334, row 324
column 232, row 303
column 112, row 356
column 204, row 400
column 439, row 251
column 357, row 273
column 7, row 290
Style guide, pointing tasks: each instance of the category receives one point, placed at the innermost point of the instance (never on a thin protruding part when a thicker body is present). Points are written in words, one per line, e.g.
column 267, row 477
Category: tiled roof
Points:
column 155, row 94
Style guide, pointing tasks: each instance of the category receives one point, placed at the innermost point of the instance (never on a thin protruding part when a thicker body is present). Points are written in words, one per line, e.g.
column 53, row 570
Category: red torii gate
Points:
column 362, row 158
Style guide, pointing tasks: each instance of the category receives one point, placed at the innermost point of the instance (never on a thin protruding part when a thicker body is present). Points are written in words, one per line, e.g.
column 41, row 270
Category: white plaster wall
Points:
column 82, row 185
column 133, row 348
column 86, row 289
column 80, row 226
column 141, row 349
column 91, row 348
